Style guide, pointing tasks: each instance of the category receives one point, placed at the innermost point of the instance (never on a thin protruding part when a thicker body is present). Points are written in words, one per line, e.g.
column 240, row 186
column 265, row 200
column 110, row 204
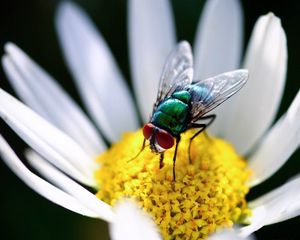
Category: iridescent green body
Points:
column 173, row 112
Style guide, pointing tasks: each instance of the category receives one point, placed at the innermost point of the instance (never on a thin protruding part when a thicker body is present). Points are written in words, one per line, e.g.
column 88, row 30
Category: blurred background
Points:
column 30, row 24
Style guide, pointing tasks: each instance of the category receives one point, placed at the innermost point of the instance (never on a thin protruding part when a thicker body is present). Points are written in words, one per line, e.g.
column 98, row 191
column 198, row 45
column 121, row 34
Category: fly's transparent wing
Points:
column 177, row 72
column 209, row 93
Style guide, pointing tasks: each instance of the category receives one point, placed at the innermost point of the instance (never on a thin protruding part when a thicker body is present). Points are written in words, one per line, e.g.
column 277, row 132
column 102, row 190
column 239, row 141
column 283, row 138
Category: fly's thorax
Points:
column 172, row 114
column 168, row 123
column 183, row 96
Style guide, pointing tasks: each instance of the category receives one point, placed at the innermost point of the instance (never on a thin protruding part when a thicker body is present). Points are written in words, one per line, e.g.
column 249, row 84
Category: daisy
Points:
column 66, row 145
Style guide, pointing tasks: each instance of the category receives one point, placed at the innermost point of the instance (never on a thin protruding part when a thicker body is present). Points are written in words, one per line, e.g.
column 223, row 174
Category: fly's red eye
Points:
column 148, row 130
column 164, row 139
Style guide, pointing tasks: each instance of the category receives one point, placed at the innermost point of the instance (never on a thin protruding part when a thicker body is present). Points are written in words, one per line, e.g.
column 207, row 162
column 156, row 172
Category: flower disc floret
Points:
column 208, row 193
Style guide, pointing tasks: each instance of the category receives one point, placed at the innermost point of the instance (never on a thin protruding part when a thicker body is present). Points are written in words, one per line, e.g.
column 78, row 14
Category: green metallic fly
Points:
column 181, row 103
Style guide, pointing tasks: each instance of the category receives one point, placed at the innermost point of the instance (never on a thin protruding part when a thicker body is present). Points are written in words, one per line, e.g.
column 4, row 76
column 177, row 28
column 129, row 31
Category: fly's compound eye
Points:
column 148, row 130
column 164, row 139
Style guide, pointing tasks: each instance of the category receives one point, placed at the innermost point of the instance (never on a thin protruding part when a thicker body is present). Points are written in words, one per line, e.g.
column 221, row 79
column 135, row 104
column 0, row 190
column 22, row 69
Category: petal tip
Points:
column 65, row 9
column 10, row 46
column 271, row 17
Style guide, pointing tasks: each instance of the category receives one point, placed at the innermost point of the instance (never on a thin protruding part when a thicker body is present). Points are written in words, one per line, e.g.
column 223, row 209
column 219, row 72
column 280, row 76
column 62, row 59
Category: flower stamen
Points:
column 208, row 193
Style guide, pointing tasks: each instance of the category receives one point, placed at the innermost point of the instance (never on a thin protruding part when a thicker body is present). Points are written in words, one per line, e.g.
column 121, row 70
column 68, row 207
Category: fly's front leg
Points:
column 210, row 118
column 142, row 149
column 161, row 160
column 202, row 127
column 174, row 157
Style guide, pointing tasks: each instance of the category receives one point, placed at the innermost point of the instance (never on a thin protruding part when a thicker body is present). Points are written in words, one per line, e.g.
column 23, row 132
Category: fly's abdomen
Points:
column 171, row 115
column 200, row 93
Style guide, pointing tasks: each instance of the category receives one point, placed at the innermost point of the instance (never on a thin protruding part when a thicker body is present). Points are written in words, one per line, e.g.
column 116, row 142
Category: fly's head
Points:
column 160, row 140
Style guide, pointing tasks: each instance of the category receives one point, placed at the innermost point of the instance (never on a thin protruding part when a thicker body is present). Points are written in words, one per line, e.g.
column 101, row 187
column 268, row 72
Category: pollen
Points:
column 208, row 193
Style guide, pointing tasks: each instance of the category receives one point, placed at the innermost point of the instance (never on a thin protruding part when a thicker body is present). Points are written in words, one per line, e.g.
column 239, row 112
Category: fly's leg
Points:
column 161, row 160
column 174, row 157
column 142, row 149
column 210, row 118
column 202, row 127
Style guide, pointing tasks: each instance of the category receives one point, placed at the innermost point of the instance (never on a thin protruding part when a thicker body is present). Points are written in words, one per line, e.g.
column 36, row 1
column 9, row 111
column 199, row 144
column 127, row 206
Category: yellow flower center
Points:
column 208, row 194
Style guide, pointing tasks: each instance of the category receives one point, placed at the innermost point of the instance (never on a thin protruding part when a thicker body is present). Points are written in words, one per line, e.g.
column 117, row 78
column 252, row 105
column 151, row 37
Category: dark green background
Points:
column 30, row 24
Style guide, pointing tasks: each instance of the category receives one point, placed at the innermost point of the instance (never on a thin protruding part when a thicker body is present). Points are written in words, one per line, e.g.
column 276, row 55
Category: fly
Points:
column 181, row 103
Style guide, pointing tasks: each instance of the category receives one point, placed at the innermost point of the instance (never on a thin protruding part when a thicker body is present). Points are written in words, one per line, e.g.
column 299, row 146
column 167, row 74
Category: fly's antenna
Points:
column 142, row 149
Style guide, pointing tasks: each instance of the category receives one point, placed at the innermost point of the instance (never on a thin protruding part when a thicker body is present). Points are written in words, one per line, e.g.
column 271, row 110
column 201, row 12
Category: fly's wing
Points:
column 177, row 72
column 209, row 93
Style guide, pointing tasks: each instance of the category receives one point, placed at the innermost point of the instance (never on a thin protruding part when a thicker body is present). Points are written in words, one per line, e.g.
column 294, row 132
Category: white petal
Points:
column 278, row 145
column 98, row 78
column 255, row 106
column 229, row 234
column 50, row 142
column 218, row 41
column 132, row 224
column 151, row 38
column 218, row 47
column 39, row 185
column 86, row 198
column 275, row 206
column 292, row 211
column 40, row 91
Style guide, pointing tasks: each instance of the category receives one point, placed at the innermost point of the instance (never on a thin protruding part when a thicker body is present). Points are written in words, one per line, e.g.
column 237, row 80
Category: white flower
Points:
column 68, row 140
